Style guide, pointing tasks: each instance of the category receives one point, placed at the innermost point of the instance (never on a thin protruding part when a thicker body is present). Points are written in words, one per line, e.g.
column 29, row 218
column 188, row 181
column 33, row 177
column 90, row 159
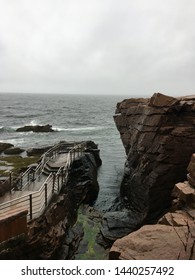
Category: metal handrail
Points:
column 45, row 158
column 63, row 171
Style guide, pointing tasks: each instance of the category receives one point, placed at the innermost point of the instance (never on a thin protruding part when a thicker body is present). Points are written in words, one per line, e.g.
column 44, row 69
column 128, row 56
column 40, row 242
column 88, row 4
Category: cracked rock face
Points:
column 172, row 238
column 159, row 138
column 156, row 242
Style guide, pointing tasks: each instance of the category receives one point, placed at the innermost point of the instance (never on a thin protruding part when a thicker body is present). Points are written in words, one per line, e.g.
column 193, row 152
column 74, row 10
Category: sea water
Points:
column 73, row 117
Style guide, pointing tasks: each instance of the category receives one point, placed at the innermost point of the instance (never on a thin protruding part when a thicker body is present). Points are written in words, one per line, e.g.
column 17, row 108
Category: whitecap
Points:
column 79, row 128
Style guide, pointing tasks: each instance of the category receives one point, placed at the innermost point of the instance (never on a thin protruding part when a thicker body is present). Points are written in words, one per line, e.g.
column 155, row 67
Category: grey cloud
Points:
column 97, row 46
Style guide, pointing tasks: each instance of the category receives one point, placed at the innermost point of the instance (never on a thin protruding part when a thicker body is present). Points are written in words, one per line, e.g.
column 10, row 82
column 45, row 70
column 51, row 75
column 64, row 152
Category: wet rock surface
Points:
column 35, row 128
column 13, row 151
column 82, row 181
column 159, row 139
column 172, row 238
column 5, row 146
column 89, row 247
column 118, row 224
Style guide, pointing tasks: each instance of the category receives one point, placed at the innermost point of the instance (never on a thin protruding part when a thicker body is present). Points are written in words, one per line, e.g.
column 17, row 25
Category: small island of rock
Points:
column 35, row 128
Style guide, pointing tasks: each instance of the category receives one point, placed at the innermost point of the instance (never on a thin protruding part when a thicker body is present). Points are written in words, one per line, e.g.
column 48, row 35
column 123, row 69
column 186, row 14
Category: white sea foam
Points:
column 33, row 122
column 79, row 128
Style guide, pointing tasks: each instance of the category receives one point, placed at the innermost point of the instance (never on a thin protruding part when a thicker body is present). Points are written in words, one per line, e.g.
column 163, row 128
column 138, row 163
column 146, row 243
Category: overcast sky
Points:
column 97, row 46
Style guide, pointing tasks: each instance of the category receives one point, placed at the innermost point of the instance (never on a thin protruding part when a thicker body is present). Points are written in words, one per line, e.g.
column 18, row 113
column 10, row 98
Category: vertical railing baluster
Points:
column 45, row 194
column 33, row 175
column 30, row 201
column 58, row 182
column 54, row 178
column 10, row 180
column 21, row 180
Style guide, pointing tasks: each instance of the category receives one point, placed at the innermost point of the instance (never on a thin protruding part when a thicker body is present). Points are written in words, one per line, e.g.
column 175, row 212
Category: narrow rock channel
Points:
column 89, row 249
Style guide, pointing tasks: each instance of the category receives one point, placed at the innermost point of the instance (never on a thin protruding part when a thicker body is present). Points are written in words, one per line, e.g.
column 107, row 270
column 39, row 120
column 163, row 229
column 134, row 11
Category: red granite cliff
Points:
column 159, row 138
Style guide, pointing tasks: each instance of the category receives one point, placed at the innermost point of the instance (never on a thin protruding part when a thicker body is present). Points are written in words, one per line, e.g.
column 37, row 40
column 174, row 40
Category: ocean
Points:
column 73, row 117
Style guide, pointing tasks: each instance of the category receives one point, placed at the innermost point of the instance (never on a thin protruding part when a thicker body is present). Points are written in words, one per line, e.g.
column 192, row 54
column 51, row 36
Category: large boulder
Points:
column 159, row 139
column 156, row 242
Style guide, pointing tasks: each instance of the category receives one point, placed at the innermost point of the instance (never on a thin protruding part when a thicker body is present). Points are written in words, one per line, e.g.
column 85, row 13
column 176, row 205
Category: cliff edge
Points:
column 158, row 135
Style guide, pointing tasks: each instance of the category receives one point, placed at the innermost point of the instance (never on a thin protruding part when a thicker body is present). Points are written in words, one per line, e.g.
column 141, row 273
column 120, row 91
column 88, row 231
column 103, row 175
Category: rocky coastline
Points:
column 172, row 237
column 158, row 135
column 55, row 235
column 154, row 218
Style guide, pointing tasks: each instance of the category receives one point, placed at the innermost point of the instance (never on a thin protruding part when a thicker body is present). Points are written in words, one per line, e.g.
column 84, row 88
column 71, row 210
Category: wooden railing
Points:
column 36, row 202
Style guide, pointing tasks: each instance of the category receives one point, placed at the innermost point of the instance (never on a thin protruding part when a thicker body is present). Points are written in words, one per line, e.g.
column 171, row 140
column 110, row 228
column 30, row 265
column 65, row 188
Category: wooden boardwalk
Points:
column 35, row 188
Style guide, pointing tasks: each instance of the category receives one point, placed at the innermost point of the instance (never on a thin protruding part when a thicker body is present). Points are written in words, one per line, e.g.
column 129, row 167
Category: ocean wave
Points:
column 7, row 129
column 79, row 128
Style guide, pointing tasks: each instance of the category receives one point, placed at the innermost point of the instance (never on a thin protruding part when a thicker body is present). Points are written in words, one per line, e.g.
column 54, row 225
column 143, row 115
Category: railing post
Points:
column 58, row 182
column 45, row 194
column 30, row 201
column 28, row 177
column 21, row 180
column 54, row 178
column 10, row 180
column 33, row 175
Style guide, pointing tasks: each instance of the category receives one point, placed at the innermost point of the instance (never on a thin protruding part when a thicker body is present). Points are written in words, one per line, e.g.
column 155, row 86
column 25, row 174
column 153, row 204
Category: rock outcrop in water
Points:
column 159, row 138
column 35, row 128
column 173, row 237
